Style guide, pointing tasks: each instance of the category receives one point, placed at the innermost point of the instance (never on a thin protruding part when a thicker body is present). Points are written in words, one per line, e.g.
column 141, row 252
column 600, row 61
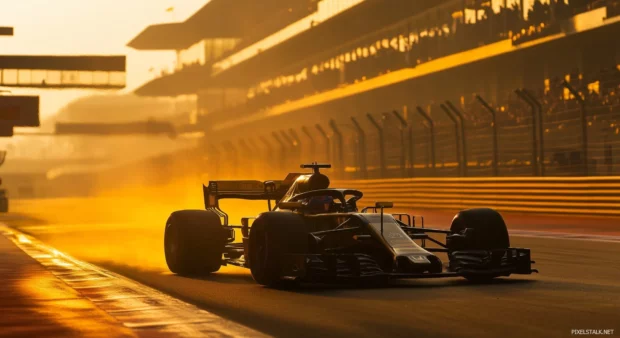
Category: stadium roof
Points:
column 218, row 18
column 164, row 37
column 366, row 17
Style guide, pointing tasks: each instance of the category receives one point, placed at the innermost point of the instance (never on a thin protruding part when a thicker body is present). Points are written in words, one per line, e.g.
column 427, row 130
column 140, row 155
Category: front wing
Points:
column 334, row 267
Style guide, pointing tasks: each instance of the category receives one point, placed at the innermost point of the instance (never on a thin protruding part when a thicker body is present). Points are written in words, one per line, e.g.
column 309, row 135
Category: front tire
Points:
column 273, row 235
column 480, row 229
column 193, row 242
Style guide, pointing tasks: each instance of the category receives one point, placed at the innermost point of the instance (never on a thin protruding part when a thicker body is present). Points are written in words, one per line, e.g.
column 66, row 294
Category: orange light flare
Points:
column 52, row 302
column 123, row 226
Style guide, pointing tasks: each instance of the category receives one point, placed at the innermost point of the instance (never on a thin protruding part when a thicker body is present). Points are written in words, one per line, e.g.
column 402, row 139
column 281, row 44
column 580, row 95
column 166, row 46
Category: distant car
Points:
column 4, row 201
column 316, row 234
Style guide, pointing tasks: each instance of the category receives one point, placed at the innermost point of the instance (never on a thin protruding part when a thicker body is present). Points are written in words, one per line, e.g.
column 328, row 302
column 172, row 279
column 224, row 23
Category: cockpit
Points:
column 310, row 193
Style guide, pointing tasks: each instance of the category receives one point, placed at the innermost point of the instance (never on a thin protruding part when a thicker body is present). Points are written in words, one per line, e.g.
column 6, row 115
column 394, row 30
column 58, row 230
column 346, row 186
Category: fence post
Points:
column 403, row 146
column 495, row 145
column 431, row 126
column 381, row 145
column 235, row 157
column 248, row 154
column 409, row 117
column 256, row 150
column 292, row 153
column 456, row 137
column 361, row 137
column 534, row 144
column 338, row 148
column 327, row 145
column 216, row 159
column 584, row 125
column 282, row 150
column 269, row 157
column 297, row 144
column 459, row 115
column 411, row 152
column 311, row 143
column 541, row 131
column 608, row 155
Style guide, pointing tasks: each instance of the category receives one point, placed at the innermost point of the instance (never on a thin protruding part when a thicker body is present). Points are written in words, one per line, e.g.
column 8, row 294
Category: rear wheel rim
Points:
column 171, row 244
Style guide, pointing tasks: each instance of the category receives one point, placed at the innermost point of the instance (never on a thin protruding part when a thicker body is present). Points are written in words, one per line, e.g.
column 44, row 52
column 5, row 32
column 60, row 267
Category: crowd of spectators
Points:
column 562, row 121
column 409, row 44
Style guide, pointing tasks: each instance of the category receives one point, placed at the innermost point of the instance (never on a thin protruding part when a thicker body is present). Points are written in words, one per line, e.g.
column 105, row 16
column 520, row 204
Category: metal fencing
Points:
column 569, row 128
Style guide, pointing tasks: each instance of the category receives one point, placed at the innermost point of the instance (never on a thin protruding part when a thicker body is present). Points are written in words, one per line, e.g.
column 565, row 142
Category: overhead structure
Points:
column 214, row 20
column 18, row 111
column 148, row 128
column 6, row 31
column 210, row 34
column 55, row 71
column 61, row 71
column 6, row 130
column 107, row 129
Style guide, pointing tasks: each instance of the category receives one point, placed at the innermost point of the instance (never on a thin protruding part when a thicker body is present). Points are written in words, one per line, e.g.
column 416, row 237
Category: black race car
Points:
column 315, row 233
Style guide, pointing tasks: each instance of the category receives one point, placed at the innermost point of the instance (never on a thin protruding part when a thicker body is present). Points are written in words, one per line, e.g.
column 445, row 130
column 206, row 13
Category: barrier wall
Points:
column 549, row 195
column 596, row 195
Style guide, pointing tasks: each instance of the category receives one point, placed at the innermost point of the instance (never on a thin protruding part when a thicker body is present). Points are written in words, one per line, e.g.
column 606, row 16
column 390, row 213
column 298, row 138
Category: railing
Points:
column 566, row 129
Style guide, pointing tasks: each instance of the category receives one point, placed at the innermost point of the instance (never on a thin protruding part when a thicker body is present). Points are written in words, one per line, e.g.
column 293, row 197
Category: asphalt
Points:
column 35, row 303
column 71, row 298
column 578, row 286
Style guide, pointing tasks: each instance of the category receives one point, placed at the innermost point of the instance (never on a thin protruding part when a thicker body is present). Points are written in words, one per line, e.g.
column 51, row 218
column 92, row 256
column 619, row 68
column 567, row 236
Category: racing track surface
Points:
column 578, row 287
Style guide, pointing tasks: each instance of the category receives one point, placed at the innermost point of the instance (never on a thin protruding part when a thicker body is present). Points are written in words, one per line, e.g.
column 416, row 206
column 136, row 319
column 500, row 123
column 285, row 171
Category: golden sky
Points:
column 88, row 27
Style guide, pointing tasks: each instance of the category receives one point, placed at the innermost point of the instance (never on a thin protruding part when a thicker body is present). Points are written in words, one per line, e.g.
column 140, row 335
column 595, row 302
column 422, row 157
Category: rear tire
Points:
column 194, row 241
column 274, row 234
column 489, row 233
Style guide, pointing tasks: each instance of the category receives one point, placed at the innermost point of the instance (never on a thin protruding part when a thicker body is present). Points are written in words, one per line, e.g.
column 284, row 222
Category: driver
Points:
column 319, row 204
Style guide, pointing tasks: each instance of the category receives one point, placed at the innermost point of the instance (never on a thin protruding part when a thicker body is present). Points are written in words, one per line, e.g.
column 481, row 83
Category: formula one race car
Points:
column 316, row 234
column 4, row 201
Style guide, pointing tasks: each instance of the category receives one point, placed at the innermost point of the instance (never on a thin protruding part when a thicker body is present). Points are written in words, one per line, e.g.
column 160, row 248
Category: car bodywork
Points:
column 344, row 243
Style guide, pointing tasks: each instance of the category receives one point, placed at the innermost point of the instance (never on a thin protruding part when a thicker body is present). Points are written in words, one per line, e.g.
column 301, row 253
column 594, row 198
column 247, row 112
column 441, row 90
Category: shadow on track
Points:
column 225, row 278
column 334, row 289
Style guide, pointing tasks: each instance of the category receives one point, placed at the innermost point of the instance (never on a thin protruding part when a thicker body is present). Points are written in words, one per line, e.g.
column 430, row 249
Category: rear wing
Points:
column 246, row 189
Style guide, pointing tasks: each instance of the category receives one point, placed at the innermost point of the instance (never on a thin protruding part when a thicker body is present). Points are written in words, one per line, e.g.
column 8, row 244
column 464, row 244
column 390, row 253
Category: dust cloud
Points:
column 121, row 226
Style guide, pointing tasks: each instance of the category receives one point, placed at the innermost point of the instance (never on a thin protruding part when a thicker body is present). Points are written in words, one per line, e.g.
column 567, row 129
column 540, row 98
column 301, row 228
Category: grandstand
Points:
column 376, row 87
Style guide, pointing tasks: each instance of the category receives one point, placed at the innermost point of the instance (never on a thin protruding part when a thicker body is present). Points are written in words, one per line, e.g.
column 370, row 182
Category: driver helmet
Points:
column 320, row 204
